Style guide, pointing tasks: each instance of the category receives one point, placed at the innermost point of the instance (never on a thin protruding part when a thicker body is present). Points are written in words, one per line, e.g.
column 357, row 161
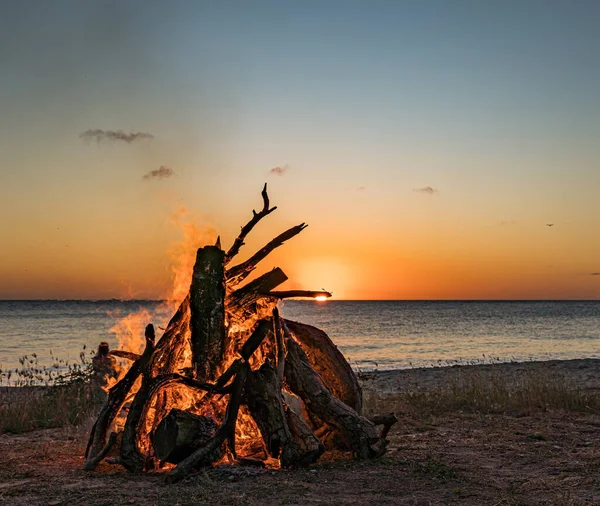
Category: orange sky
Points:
column 427, row 148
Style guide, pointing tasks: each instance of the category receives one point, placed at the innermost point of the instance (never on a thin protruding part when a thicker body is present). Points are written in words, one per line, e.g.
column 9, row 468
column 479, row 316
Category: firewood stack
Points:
column 231, row 379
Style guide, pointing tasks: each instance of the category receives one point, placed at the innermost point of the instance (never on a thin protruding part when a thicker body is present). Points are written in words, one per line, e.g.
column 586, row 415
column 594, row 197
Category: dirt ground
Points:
column 551, row 458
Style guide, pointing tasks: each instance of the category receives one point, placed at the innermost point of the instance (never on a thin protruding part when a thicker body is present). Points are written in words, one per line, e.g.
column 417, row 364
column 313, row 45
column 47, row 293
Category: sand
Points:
column 545, row 458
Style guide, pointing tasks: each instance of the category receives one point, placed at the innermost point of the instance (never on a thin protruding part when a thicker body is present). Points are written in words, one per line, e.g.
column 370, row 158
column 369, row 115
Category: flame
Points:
column 129, row 330
column 183, row 253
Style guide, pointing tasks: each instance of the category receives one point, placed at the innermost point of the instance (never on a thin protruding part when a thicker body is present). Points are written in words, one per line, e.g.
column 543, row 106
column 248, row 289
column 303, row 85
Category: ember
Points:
column 231, row 380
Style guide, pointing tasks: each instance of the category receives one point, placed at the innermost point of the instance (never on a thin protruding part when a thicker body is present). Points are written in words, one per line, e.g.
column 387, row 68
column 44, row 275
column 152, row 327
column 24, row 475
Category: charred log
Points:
column 181, row 433
column 207, row 306
column 131, row 457
column 202, row 456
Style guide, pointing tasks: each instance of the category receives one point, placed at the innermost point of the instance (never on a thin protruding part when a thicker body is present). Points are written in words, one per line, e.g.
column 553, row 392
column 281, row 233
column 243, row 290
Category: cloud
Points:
column 361, row 189
column 160, row 173
column 114, row 135
column 427, row 189
column 594, row 273
column 280, row 170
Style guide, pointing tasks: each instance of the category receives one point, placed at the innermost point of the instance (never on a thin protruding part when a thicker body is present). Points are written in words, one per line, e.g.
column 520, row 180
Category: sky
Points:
column 427, row 144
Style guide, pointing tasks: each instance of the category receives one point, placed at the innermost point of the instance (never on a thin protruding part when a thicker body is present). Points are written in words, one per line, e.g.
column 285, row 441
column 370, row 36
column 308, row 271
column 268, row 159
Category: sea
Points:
column 373, row 335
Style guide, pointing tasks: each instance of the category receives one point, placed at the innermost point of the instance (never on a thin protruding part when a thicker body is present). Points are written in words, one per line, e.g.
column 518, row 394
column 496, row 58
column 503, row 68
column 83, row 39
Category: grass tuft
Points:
column 39, row 397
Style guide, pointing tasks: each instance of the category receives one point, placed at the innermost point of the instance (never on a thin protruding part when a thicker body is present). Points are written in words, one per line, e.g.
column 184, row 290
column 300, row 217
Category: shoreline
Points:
column 583, row 373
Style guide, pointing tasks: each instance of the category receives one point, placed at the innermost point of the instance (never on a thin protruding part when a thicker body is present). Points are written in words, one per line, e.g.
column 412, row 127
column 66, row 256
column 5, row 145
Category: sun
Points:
column 321, row 298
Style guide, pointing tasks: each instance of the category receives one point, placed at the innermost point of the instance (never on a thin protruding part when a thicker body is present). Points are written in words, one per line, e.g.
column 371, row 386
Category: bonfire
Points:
column 232, row 381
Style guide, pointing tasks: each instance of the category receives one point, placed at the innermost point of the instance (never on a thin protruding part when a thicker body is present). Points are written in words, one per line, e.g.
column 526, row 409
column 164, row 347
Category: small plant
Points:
column 34, row 396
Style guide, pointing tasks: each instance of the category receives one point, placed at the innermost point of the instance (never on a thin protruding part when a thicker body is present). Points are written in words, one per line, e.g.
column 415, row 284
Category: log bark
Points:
column 328, row 361
column 180, row 433
column 311, row 445
column 262, row 395
column 357, row 432
column 207, row 307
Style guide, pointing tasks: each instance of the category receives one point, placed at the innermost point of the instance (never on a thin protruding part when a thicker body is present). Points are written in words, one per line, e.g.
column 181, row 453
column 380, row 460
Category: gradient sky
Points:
column 427, row 144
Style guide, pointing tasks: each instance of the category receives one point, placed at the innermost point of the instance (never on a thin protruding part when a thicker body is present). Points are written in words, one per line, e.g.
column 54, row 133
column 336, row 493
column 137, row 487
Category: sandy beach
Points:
column 547, row 456
column 583, row 374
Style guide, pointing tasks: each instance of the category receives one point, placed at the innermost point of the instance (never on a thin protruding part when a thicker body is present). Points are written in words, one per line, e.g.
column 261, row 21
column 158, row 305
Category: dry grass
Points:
column 494, row 392
column 37, row 397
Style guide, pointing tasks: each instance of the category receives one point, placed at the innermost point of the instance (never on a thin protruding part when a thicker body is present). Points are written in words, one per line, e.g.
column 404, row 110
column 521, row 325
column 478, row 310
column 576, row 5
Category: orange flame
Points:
column 129, row 330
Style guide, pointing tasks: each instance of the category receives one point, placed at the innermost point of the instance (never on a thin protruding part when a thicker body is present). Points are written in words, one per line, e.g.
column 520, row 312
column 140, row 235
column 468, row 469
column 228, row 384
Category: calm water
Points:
column 372, row 334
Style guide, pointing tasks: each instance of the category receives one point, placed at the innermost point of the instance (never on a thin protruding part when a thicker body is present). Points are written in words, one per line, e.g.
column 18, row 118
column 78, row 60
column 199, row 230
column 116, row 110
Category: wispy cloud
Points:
column 361, row 189
column 280, row 170
column 160, row 173
column 594, row 273
column 428, row 190
column 100, row 135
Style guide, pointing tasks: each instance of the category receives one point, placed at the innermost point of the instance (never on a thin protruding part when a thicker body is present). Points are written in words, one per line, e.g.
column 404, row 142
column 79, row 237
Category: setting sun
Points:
column 321, row 298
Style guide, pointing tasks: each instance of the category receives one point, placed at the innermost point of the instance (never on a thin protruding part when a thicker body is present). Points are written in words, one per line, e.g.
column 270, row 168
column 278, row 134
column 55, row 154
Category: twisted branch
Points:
column 256, row 217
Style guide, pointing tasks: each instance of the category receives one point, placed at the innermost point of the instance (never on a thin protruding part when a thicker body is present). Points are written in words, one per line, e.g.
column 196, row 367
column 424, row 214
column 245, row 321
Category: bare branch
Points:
column 286, row 294
column 238, row 273
column 256, row 217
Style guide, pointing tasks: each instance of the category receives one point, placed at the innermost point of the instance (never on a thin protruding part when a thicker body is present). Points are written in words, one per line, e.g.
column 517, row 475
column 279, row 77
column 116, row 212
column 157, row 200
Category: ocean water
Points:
column 371, row 334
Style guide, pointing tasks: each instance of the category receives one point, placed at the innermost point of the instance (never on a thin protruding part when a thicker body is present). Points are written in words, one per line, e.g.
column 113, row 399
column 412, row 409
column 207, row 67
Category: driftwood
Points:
column 358, row 432
column 299, row 381
column 325, row 358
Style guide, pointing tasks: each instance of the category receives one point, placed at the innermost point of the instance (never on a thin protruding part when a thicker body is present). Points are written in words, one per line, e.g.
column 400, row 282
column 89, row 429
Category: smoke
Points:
column 160, row 173
column 100, row 135
column 279, row 170
column 427, row 189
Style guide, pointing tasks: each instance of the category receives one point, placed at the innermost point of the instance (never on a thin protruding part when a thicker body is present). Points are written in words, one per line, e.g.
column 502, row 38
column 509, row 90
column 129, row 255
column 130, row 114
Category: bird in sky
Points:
column 549, row 224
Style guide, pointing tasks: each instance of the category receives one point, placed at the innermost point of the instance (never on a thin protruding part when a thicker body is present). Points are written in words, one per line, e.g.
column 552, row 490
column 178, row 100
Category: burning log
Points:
column 180, row 433
column 116, row 399
column 207, row 306
column 228, row 354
